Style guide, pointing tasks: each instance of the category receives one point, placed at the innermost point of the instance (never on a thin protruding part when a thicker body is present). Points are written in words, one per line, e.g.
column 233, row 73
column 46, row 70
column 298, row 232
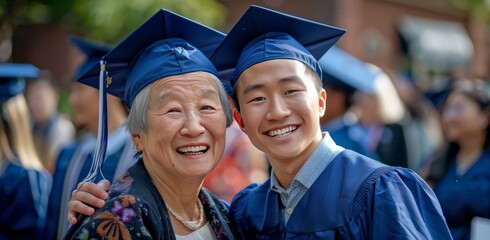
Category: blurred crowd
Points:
column 379, row 113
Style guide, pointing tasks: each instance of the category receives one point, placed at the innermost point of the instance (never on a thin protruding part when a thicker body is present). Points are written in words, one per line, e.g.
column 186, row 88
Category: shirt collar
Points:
column 324, row 153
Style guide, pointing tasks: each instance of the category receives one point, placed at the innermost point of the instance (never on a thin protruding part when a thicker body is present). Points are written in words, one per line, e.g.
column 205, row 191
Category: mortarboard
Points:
column 12, row 79
column 92, row 50
column 344, row 70
column 262, row 34
column 165, row 45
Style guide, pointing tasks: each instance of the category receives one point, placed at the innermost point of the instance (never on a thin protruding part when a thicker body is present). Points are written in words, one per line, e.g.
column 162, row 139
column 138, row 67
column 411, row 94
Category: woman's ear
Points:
column 138, row 146
column 239, row 119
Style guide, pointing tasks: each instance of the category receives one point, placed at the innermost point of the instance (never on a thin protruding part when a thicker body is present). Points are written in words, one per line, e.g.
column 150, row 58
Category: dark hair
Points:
column 479, row 92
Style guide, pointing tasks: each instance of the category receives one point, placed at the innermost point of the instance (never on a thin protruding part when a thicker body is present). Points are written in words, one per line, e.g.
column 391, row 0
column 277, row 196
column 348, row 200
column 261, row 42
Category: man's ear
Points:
column 239, row 119
column 322, row 102
column 232, row 103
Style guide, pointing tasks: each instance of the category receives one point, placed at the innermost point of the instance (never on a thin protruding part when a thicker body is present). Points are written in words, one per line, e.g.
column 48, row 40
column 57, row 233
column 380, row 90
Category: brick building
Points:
column 374, row 34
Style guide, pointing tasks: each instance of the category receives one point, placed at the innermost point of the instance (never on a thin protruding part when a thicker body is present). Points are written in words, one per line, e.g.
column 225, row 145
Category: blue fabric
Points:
column 163, row 58
column 274, row 35
column 18, row 70
column 73, row 164
column 12, row 80
column 345, row 134
column 326, row 151
column 93, row 52
column 270, row 46
column 466, row 196
column 21, row 216
column 338, row 65
column 144, row 56
column 11, row 87
column 354, row 198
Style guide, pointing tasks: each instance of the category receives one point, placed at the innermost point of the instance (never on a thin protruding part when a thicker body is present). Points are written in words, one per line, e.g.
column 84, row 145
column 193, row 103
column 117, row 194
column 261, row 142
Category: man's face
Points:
column 280, row 109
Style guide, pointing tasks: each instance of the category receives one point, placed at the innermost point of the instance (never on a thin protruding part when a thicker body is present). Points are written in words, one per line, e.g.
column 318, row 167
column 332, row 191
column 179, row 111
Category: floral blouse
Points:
column 135, row 210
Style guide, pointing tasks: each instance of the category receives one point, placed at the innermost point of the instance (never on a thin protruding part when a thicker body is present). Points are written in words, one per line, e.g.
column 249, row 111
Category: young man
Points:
column 317, row 190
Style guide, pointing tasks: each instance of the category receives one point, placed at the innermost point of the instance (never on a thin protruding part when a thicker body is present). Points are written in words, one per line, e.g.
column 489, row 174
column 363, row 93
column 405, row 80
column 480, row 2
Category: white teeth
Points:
column 192, row 149
column 281, row 132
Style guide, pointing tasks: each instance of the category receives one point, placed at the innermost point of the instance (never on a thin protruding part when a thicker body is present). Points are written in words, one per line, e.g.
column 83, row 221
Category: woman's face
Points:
column 186, row 127
column 463, row 118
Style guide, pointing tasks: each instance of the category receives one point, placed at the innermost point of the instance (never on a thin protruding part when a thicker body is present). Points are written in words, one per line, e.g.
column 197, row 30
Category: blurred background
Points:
column 428, row 42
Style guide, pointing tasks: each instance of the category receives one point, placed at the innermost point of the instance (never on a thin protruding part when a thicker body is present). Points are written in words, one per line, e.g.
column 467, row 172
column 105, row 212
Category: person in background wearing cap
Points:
column 75, row 159
column 179, row 112
column 317, row 190
column 460, row 174
column 340, row 85
column 51, row 130
column 375, row 121
column 24, row 183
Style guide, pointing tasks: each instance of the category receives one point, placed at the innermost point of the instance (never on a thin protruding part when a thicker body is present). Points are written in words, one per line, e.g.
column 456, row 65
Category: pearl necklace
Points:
column 188, row 224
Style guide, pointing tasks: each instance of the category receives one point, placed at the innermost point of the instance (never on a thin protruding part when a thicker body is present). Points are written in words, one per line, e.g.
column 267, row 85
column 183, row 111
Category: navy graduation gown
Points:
column 136, row 210
column 23, row 201
column 344, row 133
column 463, row 197
column 354, row 198
column 73, row 165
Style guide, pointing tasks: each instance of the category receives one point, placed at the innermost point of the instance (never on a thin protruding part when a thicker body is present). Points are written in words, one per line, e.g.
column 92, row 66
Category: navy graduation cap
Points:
column 341, row 68
column 262, row 34
column 92, row 50
column 165, row 45
column 12, row 79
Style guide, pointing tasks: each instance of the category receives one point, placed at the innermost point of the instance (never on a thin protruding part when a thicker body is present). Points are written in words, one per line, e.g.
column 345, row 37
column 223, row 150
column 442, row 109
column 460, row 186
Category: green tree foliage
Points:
column 479, row 7
column 107, row 21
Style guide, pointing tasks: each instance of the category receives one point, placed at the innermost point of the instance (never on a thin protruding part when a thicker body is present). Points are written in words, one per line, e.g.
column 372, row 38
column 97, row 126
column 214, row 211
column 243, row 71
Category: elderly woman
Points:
column 24, row 183
column 178, row 117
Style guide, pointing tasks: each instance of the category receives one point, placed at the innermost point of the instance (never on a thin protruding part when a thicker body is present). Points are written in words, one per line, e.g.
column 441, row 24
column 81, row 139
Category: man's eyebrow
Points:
column 252, row 87
column 284, row 80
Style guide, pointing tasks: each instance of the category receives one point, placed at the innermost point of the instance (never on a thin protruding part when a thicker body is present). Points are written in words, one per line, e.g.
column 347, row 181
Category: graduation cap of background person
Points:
column 12, row 79
column 92, row 50
column 262, row 34
column 342, row 70
column 165, row 45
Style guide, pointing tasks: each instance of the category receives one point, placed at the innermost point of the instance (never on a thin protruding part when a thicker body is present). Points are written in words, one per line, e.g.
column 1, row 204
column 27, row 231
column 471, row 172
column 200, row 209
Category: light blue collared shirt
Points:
column 318, row 161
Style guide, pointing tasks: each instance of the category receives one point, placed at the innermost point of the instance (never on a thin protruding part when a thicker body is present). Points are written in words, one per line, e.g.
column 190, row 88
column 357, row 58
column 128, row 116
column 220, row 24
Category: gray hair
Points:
column 137, row 119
